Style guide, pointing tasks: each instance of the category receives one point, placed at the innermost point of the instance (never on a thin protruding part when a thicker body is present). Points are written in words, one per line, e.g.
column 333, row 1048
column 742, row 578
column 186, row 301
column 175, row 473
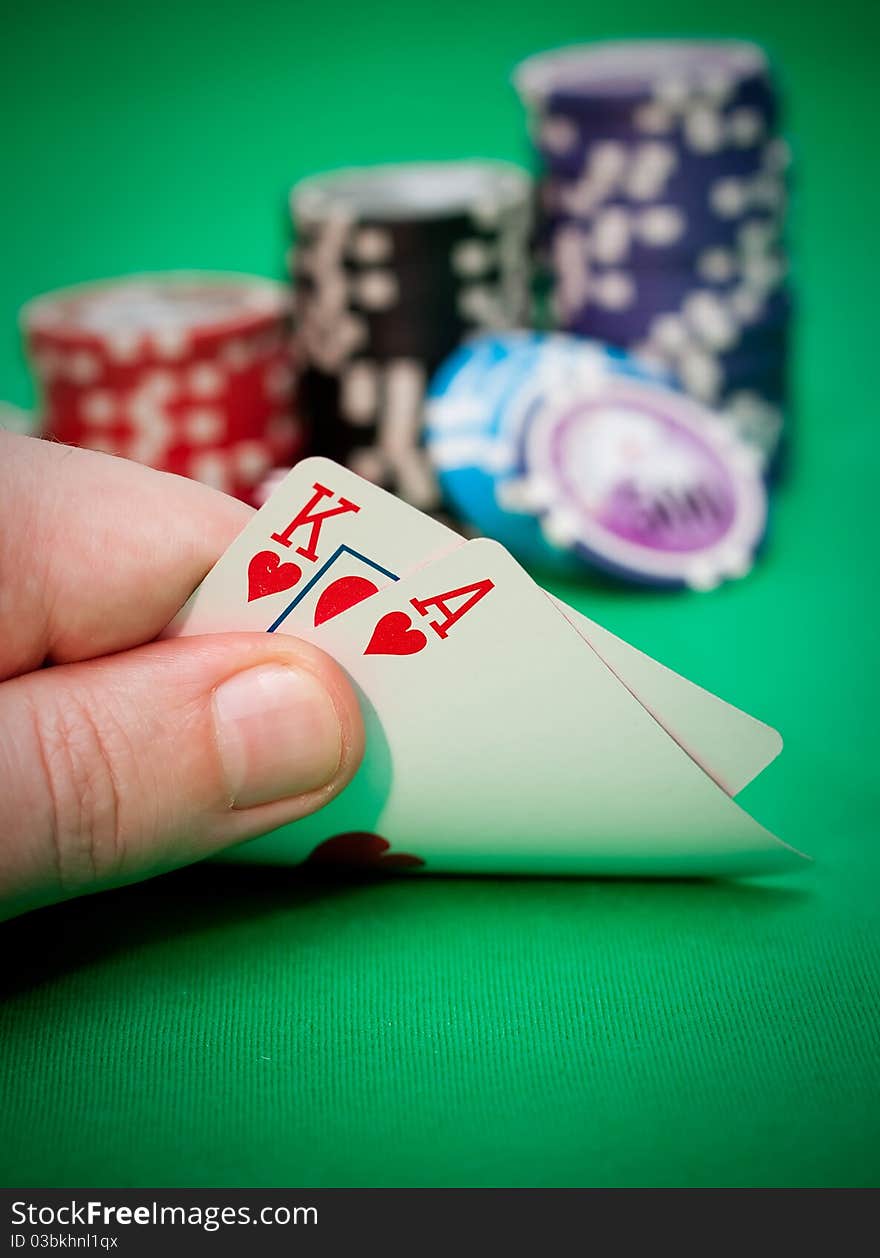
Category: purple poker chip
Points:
column 716, row 186
column 662, row 196
column 611, row 79
column 638, row 295
column 643, row 482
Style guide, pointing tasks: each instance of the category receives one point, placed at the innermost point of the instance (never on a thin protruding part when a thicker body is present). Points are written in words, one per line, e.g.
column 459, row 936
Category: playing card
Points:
column 497, row 744
column 731, row 746
column 326, row 539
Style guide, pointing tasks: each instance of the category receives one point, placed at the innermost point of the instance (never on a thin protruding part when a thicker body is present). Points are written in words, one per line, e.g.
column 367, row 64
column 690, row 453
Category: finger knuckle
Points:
column 81, row 756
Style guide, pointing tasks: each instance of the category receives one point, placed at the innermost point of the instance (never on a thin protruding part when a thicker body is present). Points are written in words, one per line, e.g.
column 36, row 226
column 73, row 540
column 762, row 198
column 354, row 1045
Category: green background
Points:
column 227, row 1028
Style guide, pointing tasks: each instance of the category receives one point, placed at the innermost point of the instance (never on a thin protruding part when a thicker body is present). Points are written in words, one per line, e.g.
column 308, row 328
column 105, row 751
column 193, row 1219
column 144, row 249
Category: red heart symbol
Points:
column 361, row 850
column 268, row 575
column 341, row 595
column 394, row 636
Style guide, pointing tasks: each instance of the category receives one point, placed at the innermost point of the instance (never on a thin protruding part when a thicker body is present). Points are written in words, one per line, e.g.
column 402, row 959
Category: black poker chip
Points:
column 393, row 267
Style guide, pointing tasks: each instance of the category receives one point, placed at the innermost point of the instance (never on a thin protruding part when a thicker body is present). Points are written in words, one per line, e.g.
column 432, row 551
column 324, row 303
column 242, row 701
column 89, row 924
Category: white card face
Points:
column 328, row 539
column 731, row 746
column 324, row 540
column 497, row 744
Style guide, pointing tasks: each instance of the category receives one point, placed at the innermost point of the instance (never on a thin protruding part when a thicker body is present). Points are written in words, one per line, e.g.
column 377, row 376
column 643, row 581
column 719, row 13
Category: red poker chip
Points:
column 164, row 316
column 187, row 372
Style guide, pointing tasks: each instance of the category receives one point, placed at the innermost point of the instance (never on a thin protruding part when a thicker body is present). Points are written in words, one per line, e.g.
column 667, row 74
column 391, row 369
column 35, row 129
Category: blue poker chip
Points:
column 471, row 459
column 571, row 454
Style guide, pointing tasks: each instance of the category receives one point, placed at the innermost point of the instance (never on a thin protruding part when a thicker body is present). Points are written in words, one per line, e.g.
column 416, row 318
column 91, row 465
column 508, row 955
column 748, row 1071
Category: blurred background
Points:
column 570, row 1033
column 142, row 139
column 155, row 140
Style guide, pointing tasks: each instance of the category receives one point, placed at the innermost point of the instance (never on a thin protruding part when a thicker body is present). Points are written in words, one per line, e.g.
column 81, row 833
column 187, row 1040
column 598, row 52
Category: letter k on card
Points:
column 324, row 541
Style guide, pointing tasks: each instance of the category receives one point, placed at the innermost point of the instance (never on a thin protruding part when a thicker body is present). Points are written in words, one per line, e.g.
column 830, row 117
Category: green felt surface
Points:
column 227, row 1028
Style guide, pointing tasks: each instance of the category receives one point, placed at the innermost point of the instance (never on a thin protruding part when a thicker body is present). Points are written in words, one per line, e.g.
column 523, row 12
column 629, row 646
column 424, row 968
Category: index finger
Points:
column 97, row 553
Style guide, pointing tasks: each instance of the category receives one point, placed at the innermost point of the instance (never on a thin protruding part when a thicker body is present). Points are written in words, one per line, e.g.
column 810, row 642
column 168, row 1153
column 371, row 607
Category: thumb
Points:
column 121, row 767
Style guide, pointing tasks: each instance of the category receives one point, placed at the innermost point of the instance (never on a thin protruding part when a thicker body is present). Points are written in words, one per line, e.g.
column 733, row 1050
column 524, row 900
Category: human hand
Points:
column 121, row 757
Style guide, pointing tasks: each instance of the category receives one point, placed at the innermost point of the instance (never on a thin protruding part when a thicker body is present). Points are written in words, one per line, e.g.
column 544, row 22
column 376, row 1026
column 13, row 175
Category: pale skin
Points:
column 121, row 756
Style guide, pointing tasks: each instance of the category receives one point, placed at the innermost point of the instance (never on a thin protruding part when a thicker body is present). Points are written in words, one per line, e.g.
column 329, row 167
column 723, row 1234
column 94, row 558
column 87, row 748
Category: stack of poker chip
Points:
column 393, row 267
column 573, row 454
column 662, row 211
column 187, row 372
